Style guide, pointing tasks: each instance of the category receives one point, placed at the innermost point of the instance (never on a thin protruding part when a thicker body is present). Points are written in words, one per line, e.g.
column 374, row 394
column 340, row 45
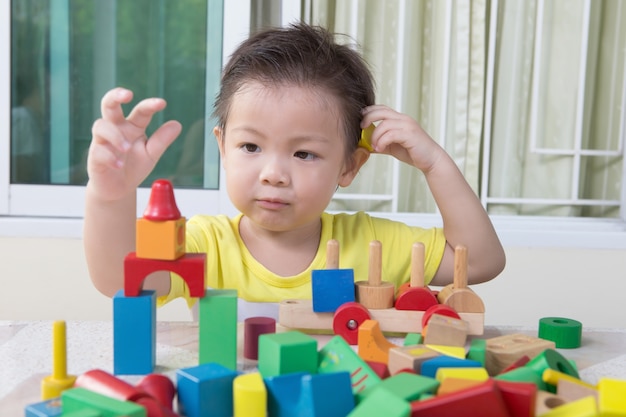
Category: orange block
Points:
column 449, row 385
column 162, row 240
column 373, row 346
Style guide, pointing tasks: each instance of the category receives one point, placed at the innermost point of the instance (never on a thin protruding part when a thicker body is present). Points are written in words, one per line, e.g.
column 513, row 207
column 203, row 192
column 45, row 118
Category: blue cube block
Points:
column 206, row 390
column 303, row 394
column 430, row 367
column 331, row 288
column 134, row 333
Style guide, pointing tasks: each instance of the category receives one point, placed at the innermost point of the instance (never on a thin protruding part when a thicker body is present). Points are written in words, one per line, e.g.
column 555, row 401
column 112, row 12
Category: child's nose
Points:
column 274, row 172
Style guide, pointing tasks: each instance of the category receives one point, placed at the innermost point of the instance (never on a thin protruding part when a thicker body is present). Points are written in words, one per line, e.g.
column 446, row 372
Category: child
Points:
column 291, row 108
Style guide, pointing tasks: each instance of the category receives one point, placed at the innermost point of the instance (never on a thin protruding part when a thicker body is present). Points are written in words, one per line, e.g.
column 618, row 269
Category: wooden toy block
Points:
column 523, row 374
column 441, row 310
column 572, row 391
column 522, row 361
column 283, row 353
column 337, row 356
column 303, row 394
column 205, row 390
column 431, row 366
column 407, row 386
column 483, row 400
column 155, row 392
column 452, row 351
column 374, row 293
column 382, row 403
column 412, row 339
column 546, row 401
column 611, row 398
column 47, row 408
column 477, row 350
column 503, row 350
column 134, row 333
column 415, row 295
column 366, row 138
column 299, row 314
column 373, row 346
column 332, row 287
column 553, row 376
column 163, row 240
column 409, row 357
column 190, row 267
column 585, row 407
column 474, row 374
column 457, row 295
column 253, row 328
column 448, row 331
column 249, row 396
column 380, row 368
column 84, row 412
column 76, row 399
column 53, row 385
column 551, row 359
column 519, row 397
column 449, row 385
column 218, row 328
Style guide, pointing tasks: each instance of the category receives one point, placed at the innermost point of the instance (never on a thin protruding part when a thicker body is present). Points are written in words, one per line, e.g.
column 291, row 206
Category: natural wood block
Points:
column 443, row 330
column 504, row 350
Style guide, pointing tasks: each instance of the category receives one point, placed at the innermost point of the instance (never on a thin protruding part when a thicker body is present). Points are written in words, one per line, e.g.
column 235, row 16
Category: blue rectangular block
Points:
column 331, row 288
column 134, row 333
column 430, row 366
column 205, row 390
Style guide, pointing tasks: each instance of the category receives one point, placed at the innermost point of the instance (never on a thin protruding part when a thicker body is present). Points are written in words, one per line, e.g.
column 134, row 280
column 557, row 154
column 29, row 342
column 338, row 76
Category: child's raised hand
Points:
column 121, row 156
column 401, row 136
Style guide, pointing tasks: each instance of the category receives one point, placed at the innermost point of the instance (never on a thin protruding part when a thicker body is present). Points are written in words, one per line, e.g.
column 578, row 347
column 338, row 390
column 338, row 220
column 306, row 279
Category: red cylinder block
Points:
column 253, row 328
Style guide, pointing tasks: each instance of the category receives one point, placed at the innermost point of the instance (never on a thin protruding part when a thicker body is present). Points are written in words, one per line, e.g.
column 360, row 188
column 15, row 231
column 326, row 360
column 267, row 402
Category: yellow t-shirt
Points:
column 229, row 264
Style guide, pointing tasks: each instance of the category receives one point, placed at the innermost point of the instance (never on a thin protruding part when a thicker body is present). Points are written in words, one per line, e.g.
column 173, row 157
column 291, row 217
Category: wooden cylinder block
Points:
column 457, row 295
column 374, row 293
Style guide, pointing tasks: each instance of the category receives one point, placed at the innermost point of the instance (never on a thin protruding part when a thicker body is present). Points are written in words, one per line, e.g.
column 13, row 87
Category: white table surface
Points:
column 26, row 352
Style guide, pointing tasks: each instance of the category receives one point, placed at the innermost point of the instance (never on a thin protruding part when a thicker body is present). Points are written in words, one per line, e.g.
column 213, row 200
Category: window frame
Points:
column 23, row 212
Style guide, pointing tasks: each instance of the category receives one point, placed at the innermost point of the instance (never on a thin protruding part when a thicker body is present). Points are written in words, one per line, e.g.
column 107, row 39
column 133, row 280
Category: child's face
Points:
column 283, row 154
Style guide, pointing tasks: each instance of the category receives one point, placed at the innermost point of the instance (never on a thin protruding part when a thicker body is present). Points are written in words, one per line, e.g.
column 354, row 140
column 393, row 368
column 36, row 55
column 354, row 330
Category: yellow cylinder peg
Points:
column 53, row 385
column 249, row 396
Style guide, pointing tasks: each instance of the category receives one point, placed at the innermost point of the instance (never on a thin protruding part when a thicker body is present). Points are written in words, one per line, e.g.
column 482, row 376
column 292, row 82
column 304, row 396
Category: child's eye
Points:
column 250, row 147
column 307, row 156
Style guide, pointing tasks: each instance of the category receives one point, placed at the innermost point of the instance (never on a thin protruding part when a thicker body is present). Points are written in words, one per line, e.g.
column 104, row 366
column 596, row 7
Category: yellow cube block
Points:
column 163, row 240
column 611, row 398
column 476, row 374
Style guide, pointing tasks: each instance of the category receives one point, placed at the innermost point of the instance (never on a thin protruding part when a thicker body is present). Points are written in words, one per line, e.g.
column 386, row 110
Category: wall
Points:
column 47, row 279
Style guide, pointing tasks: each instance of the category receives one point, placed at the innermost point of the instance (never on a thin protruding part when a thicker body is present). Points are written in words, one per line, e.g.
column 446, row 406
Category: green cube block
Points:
column 76, row 399
column 285, row 353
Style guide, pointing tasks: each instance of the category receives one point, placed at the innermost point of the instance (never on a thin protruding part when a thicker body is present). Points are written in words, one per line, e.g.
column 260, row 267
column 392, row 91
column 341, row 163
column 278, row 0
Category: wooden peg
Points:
column 415, row 295
column 332, row 254
column 374, row 293
column 457, row 295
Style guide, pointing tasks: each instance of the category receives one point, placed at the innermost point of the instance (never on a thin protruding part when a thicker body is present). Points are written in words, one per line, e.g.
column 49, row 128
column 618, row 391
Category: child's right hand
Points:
column 121, row 156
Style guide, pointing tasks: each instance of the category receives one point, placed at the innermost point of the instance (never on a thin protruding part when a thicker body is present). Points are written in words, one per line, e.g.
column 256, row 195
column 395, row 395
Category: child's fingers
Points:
column 111, row 104
column 102, row 156
column 141, row 115
column 162, row 138
column 104, row 131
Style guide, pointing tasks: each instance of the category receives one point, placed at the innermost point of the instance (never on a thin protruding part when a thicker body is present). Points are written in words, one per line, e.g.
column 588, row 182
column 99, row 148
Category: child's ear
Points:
column 359, row 157
column 217, row 131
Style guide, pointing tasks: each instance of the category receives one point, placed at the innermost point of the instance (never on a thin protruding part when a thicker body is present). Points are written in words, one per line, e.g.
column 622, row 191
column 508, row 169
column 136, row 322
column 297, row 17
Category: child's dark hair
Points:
column 301, row 55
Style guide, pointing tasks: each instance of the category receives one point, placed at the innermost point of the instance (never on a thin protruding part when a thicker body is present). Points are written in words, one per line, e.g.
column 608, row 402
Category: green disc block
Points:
column 565, row 333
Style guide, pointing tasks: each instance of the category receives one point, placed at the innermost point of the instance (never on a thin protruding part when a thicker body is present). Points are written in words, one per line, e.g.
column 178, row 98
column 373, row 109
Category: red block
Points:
column 380, row 368
column 519, row 397
column 418, row 299
column 191, row 268
column 482, row 400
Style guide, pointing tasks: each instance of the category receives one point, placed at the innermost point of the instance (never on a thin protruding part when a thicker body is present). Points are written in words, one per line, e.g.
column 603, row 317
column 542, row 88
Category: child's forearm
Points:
column 465, row 222
column 108, row 236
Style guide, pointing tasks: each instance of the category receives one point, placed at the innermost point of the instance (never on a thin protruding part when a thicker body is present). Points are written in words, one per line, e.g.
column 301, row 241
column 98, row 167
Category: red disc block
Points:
column 440, row 309
column 414, row 298
column 254, row 327
column 347, row 319
column 162, row 204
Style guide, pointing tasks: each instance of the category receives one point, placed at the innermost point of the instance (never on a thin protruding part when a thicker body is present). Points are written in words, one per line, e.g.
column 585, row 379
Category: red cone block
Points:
column 162, row 204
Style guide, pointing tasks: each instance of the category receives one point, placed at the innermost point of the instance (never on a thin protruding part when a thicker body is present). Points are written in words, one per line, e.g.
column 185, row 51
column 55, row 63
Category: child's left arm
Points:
column 465, row 222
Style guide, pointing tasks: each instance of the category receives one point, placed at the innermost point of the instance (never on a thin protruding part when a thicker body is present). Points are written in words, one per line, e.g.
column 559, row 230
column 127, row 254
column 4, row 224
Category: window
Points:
column 529, row 98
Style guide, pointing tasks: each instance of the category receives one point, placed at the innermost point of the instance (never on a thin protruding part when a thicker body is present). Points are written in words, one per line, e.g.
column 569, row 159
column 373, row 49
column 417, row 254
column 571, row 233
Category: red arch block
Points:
column 191, row 268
